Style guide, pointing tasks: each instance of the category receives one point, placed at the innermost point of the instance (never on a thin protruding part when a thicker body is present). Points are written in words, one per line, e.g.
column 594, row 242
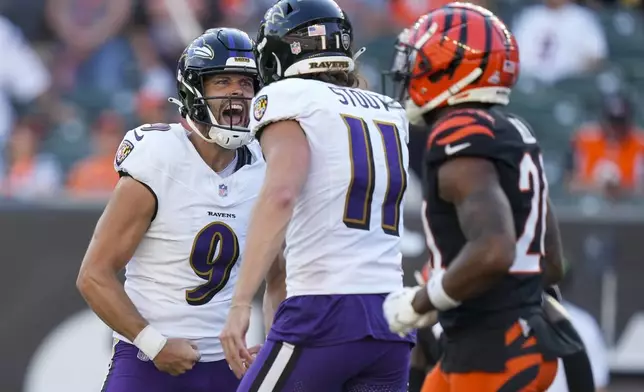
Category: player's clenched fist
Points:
column 401, row 316
column 177, row 356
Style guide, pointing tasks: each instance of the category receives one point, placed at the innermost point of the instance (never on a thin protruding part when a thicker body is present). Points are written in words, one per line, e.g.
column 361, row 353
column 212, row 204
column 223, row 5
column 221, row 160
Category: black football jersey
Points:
column 506, row 141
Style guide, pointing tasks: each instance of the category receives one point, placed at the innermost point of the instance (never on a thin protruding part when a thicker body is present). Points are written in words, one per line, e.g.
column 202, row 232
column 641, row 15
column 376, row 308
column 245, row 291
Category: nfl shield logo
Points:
column 223, row 190
column 346, row 41
column 296, row 48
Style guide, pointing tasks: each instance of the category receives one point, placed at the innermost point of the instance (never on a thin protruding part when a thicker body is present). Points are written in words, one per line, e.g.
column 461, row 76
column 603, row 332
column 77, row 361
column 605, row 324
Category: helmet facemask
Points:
column 409, row 62
column 400, row 71
column 226, row 121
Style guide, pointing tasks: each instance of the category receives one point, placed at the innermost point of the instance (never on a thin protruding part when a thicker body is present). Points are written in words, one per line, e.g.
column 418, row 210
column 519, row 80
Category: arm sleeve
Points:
column 279, row 101
column 462, row 134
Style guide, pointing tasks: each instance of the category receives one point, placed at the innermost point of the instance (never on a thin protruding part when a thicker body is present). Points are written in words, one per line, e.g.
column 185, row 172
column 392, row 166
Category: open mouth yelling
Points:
column 233, row 113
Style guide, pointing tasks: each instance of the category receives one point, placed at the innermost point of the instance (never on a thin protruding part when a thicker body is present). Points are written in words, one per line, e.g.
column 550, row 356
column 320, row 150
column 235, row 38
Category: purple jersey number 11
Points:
column 357, row 209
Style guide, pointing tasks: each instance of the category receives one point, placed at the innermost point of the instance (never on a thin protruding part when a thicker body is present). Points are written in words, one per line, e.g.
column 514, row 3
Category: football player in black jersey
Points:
column 493, row 239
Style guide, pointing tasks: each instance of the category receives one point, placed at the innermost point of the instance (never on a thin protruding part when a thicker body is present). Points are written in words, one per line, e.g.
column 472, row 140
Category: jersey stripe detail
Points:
column 451, row 123
column 277, row 368
column 464, row 132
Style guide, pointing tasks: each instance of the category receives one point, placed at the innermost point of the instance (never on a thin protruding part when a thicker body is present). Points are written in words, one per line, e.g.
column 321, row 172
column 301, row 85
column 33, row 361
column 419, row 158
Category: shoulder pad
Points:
column 147, row 148
column 283, row 100
column 462, row 133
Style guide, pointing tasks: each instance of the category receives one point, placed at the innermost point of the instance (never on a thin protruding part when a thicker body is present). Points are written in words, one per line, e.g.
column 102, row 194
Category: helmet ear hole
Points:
column 271, row 67
column 202, row 112
column 269, row 63
column 424, row 64
column 199, row 112
column 191, row 76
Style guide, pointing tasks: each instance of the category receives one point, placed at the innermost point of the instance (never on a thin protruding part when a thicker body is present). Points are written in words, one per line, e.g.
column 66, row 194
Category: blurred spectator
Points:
column 406, row 12
column 95, row 176
column 29, row 173
column 608, row 156
column 67, row 134
column 559, row 39
column 150, row 108
column 23, row 77
column 239, row 12
column 162, row 29
column 155, row 77
column 93, row 56
column 28, row 15
column 121, row 55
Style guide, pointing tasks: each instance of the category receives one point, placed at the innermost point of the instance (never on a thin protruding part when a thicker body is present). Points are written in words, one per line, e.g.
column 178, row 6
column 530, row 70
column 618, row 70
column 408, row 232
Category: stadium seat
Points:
column 69, row 144
column 531, row 92
column 633, row 67
column 624, row 31
column 508, row 10
column 584, row 87
column 553, row 114
column 637, row 97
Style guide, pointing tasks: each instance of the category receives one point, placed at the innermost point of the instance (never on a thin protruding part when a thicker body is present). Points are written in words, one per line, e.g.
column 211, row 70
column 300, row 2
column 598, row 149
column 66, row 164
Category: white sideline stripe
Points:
column 277, row 368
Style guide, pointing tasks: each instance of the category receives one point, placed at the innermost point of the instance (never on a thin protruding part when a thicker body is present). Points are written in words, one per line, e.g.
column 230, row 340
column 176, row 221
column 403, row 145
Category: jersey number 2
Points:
column 215, row 252
column 530, row 245
column 357, row 208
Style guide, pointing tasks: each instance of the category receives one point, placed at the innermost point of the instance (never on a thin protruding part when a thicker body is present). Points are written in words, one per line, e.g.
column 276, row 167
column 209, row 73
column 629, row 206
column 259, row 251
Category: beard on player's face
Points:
column 235, row 108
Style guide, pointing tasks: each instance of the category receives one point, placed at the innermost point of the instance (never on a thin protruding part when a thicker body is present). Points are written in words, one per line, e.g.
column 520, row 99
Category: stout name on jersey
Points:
column 364, row 99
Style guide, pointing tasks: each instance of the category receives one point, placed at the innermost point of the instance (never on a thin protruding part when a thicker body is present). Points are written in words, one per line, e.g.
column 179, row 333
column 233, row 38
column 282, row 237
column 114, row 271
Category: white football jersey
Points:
column 344, row 236
column 182, row 274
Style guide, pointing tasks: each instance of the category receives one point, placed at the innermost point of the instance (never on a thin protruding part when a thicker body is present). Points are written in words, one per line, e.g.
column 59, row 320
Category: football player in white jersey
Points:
column 335, row 184
column 177, row 223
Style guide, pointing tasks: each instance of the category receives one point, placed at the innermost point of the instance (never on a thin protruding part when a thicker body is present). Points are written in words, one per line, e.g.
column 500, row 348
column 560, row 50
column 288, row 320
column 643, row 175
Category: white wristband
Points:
column 437, row 294
column 150, row 342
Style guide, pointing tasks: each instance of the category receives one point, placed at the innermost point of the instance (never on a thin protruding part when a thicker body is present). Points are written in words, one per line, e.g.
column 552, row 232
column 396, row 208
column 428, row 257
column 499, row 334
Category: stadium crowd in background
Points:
column 77, row 74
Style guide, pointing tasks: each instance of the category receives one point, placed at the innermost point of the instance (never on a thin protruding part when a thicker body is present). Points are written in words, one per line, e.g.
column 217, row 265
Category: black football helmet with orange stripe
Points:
column 456, row 54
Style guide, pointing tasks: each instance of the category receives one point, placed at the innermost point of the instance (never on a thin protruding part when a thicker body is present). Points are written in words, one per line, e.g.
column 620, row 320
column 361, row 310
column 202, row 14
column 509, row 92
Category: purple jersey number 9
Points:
column 215, row 252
